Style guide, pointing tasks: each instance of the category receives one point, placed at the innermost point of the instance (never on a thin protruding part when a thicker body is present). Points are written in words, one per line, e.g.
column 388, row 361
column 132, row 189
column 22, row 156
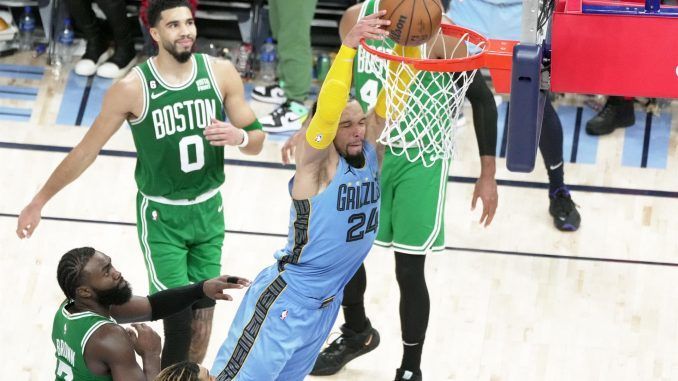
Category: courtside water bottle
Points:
column 267, row 61
column 64, row 48
column 26, row 29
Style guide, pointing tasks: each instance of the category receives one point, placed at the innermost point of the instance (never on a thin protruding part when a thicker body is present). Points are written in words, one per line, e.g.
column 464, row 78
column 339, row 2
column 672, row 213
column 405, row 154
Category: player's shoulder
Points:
column 220, row 65
column 109, row 337
column 130, row 84
column 354, row 9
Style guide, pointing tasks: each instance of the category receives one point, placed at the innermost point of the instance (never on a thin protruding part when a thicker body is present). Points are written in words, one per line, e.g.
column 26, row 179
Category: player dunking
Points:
column 171, row 102
column 412, row 205
column 291, row 306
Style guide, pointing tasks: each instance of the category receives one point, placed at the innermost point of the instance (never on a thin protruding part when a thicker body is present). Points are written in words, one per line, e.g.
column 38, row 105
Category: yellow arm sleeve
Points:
column 332, row 100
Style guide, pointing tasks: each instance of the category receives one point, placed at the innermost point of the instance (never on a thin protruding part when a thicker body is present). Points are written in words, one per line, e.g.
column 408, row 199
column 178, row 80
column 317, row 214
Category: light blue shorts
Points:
column 276, row 333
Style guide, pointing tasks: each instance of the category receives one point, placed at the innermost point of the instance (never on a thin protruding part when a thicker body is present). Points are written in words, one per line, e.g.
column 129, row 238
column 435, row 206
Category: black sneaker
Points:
column 407, row 375
column 564, row 210
column 617, row 113
column 269, row 94
column 288, row 117
column 344, row 349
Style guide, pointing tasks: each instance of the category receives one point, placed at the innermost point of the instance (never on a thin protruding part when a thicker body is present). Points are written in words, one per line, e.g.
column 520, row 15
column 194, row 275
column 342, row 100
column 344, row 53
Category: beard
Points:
column 355, row 161
column 115, row 296
column 181, row 57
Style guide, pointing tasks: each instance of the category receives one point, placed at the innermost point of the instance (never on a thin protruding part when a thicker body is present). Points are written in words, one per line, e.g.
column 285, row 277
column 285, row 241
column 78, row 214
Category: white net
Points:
column 423, row 106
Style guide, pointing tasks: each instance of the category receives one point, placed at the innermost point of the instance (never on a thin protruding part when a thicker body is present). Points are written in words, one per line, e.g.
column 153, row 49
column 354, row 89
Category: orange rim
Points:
column 494, row 53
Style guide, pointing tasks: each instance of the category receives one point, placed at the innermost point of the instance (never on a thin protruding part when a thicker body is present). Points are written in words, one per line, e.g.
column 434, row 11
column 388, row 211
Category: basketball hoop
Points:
column 424, row 96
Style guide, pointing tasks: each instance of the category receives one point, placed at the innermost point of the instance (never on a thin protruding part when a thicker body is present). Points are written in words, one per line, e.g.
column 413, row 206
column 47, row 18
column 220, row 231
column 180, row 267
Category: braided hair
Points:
column 69, row 271
column 182, row 371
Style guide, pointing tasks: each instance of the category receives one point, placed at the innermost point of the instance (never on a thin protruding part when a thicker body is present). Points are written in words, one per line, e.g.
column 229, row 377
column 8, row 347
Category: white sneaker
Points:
column 87, row 67
column 116, row 67
column 269, row 94
column 288, row 117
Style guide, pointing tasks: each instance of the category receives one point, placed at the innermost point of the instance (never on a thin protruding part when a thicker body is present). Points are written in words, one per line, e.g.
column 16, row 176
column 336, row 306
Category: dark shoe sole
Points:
column 367, row 349
column 593, row 132
column 266, row 99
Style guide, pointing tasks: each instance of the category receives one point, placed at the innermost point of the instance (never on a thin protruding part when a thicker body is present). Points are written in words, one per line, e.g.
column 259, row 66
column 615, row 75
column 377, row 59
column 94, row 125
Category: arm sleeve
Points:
column 332, row 100
column 169, row 302
column 484, row 115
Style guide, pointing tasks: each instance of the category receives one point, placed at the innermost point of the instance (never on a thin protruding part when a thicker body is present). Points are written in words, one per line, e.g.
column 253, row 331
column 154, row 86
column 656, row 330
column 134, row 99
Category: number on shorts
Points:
column 184, row 144
column 369, row 92
column 355, row 232
column 64, row 371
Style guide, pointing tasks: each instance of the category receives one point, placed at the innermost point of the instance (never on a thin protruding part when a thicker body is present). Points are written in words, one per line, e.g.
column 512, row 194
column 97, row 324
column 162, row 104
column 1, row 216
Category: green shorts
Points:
column 181, row 243
column 412, row 205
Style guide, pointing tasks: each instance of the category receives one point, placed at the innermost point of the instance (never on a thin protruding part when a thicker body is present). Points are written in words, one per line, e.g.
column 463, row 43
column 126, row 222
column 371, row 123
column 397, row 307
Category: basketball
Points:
column 413, row 22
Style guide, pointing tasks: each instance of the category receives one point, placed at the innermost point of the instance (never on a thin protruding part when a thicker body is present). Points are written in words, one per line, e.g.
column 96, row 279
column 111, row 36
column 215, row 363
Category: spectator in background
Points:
column 97, row 59
column 502, row 19
column 291, row 26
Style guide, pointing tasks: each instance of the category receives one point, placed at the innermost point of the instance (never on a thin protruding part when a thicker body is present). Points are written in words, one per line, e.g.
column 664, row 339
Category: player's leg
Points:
column 263, row 334
column 418, row 228
column 414, row 311
column 204, row 262
column 562, row 208
column 357, row 335
column 302, row 360
column 162, row 244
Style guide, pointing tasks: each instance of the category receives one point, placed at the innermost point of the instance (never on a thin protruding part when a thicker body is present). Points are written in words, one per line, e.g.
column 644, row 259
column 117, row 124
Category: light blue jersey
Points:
column 331, row 233
column 291, row 306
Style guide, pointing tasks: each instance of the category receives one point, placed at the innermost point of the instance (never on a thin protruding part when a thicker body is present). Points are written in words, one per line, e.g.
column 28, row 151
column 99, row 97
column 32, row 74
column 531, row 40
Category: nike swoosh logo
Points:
column 157, row 95
column 552, row 167
column 291, row 119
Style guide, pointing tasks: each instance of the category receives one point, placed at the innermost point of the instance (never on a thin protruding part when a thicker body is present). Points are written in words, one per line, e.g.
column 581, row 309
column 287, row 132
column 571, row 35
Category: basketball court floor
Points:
column 517, row 300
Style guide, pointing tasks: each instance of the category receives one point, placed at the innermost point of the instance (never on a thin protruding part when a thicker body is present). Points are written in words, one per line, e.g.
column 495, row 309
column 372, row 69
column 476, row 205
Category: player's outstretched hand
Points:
column 214, row 288
column 290, row 146
column 28, row 221
column 145, row 340
column 369, row 28
column 486, row 190
column 223, row 134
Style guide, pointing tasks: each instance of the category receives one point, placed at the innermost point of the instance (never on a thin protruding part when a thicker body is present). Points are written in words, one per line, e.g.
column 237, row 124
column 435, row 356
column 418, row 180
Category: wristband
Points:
column 245, row 139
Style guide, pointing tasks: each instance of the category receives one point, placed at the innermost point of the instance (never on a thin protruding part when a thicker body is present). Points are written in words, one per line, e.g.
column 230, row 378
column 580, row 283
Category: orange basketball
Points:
column 413, row 22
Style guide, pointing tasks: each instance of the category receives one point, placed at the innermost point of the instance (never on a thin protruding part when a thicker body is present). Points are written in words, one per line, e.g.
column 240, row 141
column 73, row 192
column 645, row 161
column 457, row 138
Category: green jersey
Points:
column 174, row 159
column 70, row 333
column 365, row 81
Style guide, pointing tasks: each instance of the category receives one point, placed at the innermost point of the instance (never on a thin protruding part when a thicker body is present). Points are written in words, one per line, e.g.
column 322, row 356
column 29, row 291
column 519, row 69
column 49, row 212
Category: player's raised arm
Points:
column 118, row 104
column 335, row 90
column 244, row 130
